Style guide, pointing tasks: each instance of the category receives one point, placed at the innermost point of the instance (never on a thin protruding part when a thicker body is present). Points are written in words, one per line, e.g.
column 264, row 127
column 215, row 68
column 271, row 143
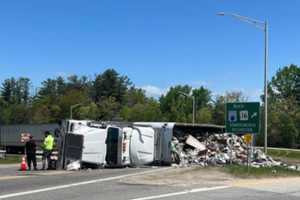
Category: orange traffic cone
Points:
column 23, row 164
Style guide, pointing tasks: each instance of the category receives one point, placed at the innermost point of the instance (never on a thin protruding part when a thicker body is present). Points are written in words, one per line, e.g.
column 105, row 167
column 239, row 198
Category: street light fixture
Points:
column 72, row 107
column 262, row 25
column 193, row 97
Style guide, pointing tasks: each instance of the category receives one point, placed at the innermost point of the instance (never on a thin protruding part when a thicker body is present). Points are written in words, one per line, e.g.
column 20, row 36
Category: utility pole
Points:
column 194, row 104
column 266, row 89
column 73, row 107
column 262, row 25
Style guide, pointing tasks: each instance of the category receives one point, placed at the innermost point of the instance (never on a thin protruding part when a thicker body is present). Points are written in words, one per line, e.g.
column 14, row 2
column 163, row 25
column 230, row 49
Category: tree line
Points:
column 111, row 96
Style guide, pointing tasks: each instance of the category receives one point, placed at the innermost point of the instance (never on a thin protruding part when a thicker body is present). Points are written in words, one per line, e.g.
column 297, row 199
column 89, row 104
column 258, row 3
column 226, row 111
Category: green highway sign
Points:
column 242, row 117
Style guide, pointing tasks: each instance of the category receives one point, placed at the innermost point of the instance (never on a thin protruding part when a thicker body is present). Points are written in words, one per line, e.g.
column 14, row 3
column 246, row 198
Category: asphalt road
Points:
column 108, row 184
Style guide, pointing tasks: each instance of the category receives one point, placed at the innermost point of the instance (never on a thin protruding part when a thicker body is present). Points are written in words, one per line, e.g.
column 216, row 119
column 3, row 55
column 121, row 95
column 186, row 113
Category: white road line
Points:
column 183, row 192
column 78, row 184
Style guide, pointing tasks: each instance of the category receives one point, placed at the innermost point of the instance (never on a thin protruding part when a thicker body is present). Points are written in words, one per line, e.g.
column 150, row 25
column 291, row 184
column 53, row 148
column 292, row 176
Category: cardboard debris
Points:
column 195, row 143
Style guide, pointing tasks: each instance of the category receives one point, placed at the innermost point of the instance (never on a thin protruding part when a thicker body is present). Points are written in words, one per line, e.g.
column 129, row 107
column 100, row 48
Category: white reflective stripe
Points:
column 78, row 184
column 182, row 192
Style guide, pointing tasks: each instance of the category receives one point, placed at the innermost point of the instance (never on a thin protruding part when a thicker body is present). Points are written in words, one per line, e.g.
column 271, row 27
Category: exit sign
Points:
column 242, row 117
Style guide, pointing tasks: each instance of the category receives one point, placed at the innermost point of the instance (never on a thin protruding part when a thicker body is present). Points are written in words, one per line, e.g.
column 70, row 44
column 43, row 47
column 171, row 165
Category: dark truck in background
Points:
column 10, row 135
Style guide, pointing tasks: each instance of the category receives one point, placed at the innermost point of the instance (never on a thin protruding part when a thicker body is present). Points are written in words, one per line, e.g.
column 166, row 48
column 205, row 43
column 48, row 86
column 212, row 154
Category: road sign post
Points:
column 248, row 140
column 242, row 117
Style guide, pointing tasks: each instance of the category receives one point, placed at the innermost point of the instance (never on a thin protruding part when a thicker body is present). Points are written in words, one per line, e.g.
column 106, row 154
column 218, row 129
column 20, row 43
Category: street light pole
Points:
column 194, row 104
column 262, row 26
column 266, row 89
column 71, row 109
column 194, row 112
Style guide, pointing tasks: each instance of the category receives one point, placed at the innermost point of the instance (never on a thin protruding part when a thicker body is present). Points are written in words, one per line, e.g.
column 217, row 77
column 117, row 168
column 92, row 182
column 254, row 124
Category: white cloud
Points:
column 153, row 91
column 251, row 94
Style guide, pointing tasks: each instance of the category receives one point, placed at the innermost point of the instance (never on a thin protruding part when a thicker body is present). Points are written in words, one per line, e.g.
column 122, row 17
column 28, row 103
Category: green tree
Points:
column 202, row 96
column 218, row 112
column 284, row 111
column 204, row 115
column 70, row 98
column 16, row 91
column 134, row 96
column 90, row 111
column 148, row 111
column 8, row 89
column 283, row 84
column 108, row 109
column 110, row 84
column 176, row 107
column 22, row 90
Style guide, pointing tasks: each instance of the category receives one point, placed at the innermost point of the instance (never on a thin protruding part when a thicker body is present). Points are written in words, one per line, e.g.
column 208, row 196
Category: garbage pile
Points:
column 217, row 149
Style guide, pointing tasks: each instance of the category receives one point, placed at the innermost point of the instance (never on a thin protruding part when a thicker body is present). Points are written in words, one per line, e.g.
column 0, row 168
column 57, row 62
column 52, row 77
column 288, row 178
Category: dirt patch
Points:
column 183, row 177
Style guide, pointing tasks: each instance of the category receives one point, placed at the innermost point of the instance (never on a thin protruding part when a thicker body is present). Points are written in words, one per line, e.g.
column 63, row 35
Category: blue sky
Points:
column 157, row 43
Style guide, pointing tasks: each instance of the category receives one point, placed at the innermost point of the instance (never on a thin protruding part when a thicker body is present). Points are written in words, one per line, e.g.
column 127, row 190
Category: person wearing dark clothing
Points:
column 30, row 148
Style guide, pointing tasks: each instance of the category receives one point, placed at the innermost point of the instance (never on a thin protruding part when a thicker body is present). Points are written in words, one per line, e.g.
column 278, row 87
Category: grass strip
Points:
column 242, row 171
column 11, row 159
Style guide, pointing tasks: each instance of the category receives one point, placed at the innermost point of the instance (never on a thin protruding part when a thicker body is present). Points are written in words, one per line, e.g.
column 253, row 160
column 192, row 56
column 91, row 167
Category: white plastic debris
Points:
column 73, row 166
column 292, row 167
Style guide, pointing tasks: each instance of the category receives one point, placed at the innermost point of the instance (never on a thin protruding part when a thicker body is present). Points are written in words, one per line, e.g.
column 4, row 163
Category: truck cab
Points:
column 94, row 136
column 130, row 146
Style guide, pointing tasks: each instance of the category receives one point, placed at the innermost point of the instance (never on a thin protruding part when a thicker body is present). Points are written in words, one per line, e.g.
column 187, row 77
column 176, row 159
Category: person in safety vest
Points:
column 47, row 147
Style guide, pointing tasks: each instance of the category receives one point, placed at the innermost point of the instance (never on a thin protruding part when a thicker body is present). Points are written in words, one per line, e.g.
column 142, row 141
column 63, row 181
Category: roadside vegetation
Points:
column 11, row 159
column 111, row 96
column 242, row 171
column 287, row 155
column 263, row 172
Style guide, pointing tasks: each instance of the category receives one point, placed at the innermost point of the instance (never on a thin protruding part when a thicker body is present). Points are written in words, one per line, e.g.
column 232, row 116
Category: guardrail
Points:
column 277, row 148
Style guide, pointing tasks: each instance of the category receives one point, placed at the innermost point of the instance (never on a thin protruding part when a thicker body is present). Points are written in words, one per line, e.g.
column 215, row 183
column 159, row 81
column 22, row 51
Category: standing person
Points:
column 47, row 146
column 30, row 148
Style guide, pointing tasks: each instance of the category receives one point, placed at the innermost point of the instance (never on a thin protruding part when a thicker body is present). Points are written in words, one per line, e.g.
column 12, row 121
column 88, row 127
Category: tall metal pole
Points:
column 71, row 114
column 71, row 109
column 266, row 89
column 194, row 104
column 263, row 26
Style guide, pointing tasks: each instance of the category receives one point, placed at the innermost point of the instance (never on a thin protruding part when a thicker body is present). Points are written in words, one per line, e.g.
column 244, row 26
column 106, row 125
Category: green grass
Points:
column 242, row 171
column 11, row 159
column 290, row 154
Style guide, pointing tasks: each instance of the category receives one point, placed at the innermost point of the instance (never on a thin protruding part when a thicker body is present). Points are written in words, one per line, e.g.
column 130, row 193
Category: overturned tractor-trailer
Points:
column 116, row 144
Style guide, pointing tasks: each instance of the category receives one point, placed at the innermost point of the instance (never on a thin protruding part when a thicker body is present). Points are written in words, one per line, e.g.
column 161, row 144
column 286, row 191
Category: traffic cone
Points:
column 23, row 164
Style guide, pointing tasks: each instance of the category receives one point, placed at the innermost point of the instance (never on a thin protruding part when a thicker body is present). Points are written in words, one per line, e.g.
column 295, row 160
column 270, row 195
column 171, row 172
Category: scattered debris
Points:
column 219, row 149
column 195, row 143
column 74, row 166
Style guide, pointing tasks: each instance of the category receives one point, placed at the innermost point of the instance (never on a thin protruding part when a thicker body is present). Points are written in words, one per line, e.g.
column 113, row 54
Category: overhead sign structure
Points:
column 242, row 117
